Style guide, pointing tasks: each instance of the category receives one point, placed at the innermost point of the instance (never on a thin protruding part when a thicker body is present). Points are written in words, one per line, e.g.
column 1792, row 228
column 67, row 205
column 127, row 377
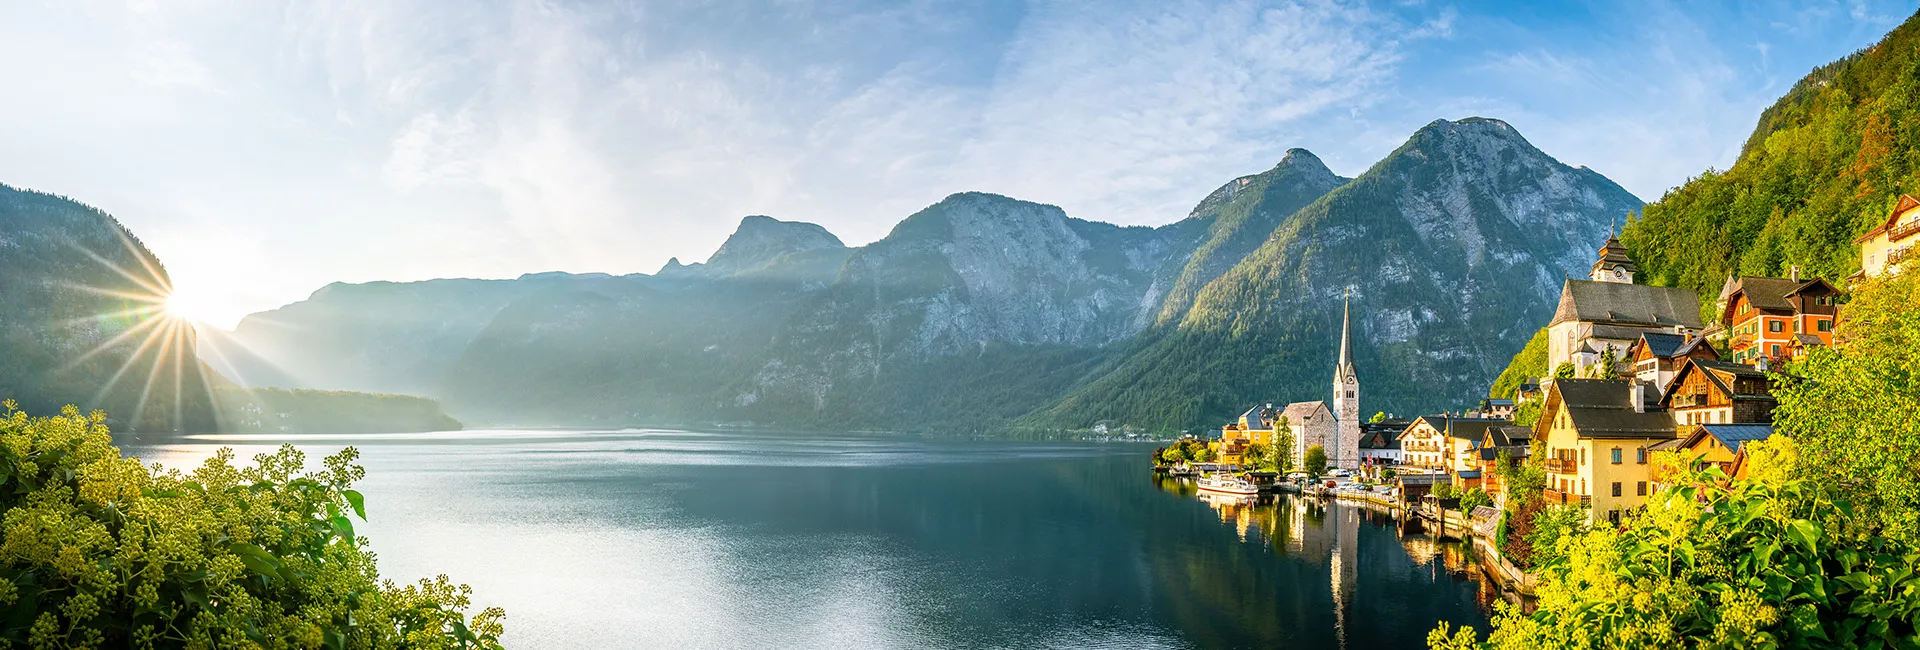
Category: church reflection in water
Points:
column 1367, row 553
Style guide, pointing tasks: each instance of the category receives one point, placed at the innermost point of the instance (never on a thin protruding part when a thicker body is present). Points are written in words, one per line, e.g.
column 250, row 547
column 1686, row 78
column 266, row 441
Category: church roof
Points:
column 1298, row 412
column 1618, row 303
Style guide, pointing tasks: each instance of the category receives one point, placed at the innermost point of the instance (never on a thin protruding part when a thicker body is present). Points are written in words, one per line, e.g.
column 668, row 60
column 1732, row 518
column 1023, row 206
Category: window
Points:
column 1641, row 488
column 1613, row 516
column 1583, row 455
column 1640, row 455
column 1583, row 486
column 1823, row 325
column 1616, row 455
column 1773, row 326
column 1776, row 349
column 1616, row 488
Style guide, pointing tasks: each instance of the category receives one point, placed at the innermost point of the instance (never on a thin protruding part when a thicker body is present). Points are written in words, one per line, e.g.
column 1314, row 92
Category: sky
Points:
column 265, row 149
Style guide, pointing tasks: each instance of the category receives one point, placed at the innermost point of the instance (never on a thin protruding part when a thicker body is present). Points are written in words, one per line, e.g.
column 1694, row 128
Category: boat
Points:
column 1227, row 484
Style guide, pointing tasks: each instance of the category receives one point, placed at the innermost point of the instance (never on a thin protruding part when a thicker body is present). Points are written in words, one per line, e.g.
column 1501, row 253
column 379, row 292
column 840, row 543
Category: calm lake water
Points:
column 665, row 539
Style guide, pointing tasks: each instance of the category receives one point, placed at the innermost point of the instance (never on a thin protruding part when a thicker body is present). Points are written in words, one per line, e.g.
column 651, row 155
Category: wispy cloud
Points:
column 401, row 139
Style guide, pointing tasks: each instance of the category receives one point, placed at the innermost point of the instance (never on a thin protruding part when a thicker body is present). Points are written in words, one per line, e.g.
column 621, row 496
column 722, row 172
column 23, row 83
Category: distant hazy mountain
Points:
column 981, row 310
column 1455, row 246
column 79, row 297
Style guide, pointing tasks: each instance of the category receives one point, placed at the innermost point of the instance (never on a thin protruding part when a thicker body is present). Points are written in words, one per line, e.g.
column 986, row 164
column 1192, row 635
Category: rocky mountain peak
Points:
column 758, row 241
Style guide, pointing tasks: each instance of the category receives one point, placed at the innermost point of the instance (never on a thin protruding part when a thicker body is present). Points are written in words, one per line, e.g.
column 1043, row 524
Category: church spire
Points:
column 1346, row 336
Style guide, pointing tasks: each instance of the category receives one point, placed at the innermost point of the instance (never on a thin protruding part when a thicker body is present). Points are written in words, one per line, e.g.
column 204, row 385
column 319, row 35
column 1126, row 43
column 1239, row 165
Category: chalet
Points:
column 1887, row 245
column 1380, row 443
column 1718, row 392
column 1461, row 451
column 1609, row 312
column 1658, row 356
column 1765, row 315
column 1597, row 434
column 1423, row 444
column 1721, row 444
column 1513, row 441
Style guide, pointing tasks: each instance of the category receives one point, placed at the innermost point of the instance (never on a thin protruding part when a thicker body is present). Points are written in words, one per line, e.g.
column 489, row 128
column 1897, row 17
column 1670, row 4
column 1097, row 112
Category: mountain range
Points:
column 983, row 312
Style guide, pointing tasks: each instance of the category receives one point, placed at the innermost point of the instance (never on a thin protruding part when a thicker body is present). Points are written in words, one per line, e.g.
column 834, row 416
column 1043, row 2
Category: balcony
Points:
column 1904, row 230
column 1562, row 465
column 1689, row 400
column 1561, row 498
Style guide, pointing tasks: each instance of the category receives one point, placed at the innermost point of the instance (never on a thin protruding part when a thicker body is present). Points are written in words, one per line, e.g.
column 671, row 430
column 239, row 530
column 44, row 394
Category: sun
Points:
column 183, row 308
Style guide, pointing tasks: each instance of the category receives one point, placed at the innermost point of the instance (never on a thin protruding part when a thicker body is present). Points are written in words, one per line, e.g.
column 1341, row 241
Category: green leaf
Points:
column 343, row 527
column 1805, row 534
column 358, row 502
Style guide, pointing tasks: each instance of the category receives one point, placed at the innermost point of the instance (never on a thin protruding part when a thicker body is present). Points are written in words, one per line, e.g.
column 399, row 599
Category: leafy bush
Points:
column 1474, row 497
column 1315, row 461
column 99, row 550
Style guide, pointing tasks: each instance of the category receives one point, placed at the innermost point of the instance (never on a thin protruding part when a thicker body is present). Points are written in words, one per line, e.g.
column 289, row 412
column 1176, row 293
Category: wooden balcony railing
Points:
column 1902, row 231
column 1562, row 465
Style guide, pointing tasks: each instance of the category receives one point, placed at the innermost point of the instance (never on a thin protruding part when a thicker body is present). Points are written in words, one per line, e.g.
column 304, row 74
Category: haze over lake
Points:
column 666, row 539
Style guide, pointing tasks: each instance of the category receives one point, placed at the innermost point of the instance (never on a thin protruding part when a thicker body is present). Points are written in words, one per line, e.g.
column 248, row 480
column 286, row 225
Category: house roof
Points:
column 1499, row 401
column 1722, row 375
column 1379, row 440
column 1601, row 408
column 1808, row 339
column 1735, row 435
column 1664, row 445
column 1509, row 435
column 1471, row 428
column 1769, row 294
column 1666, row 345
column 1438, row 422
column 1617, row 303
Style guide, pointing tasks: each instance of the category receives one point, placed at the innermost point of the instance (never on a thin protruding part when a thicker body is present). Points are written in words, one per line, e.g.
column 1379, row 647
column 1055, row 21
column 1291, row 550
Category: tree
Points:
column 1563, row 371
column 1474, row 497
column 1201, row 454
column 1283, row 443
column 1174, row 455
column 1315, row 462
column 1527, row 365
column 1607, row 368
column 1378, row 417
column 1527, row 411
column 1815, row 547
column 103, row 551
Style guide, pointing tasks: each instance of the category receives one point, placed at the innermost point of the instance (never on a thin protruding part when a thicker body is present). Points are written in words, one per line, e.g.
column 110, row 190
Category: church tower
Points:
column 1344, row 449
column 1614, row 264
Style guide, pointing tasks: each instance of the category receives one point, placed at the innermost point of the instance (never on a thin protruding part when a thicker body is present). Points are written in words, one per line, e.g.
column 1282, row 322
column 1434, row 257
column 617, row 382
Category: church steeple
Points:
column 1614, row 264
column 1344, row 449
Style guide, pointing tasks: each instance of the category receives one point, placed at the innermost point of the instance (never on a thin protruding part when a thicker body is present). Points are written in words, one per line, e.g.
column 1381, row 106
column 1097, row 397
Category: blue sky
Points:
column 265, row 149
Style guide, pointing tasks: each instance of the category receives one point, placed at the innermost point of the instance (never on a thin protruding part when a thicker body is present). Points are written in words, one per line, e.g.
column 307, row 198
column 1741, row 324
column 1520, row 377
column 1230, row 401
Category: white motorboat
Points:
column 1227, row 484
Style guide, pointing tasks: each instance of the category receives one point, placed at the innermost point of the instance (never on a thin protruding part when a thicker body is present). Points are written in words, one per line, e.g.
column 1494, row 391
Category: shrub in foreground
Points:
column 98, row 550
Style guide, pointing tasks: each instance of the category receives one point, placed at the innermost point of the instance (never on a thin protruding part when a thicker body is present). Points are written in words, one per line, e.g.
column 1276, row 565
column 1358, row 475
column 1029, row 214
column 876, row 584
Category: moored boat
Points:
column 1227, row 484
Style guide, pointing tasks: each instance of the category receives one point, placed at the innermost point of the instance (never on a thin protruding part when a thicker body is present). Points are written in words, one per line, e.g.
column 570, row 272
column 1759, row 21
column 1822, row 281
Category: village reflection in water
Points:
column 1327, row 530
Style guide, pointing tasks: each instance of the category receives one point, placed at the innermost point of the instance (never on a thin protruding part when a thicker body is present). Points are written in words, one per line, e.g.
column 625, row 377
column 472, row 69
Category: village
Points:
column 1637, row 386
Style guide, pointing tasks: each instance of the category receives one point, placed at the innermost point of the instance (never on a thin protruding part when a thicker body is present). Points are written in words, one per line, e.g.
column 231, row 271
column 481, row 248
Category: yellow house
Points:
column 1597, row 434
column 1886, row 246
column 1259, row 425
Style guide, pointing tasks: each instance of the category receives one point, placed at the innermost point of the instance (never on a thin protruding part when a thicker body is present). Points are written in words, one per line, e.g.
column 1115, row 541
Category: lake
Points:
column 668, row 539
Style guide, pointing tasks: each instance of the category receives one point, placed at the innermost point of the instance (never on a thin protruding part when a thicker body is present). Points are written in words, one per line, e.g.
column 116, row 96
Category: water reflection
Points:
column 1345, row 538
column 651, row 539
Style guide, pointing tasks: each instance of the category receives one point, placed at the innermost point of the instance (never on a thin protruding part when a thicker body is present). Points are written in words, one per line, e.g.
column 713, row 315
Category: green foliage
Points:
column 1814, row 549
column 1607, row 368
column 1853, row 410
column 1445, row 491
column 1825, row 164
column 1563, row 371
column 1474, row 497
column 1315, row 461
column 1530, row 364
column 1527, row 411
column 1548, row 527
column 274, row 410
column 80, row 316
column 1378, row 417
column 102, row 551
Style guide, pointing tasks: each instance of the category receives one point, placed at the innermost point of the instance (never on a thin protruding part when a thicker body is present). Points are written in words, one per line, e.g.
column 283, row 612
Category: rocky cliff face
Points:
column 81, row 322
column 982, row 310
column 1454, row 247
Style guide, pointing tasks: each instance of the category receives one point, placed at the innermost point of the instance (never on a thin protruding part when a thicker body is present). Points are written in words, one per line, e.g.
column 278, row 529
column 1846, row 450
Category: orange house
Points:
column 1764, row 315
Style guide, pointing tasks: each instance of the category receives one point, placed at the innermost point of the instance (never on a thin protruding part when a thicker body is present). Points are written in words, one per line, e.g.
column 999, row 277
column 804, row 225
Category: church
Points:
column 1336, row 429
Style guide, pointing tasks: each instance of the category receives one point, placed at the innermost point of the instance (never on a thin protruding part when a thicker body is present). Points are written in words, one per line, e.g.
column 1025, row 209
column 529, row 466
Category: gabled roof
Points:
column 1472, row 429
column 1665, row 345
column 1379, row 440
column 1722, row 375
column 1769, row 294
column 1601, row 408
column 1509, row 435
column 1438, row 422
column 1617, row 303
column 1808, row 340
